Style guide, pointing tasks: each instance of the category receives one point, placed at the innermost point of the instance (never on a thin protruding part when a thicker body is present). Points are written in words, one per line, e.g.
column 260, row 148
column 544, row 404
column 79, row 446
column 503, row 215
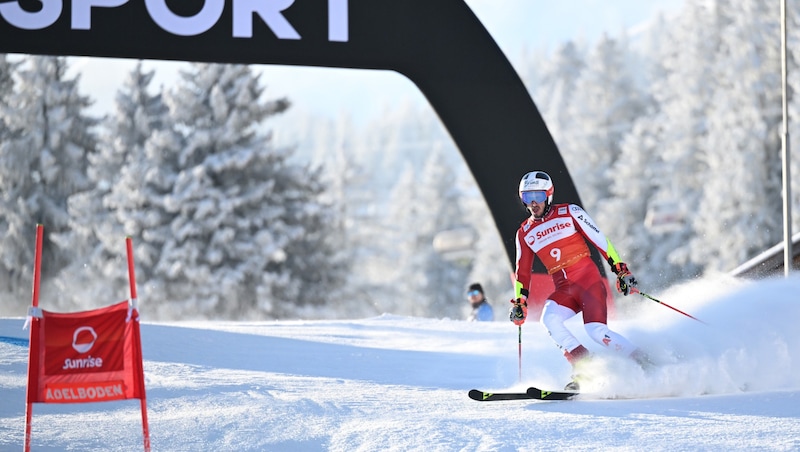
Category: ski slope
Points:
column 400, row 384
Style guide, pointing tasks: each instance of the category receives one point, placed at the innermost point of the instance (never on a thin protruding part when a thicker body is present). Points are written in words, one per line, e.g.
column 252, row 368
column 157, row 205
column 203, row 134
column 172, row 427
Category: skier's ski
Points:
column 531, row 393
column 482, row 396
column 541, row 394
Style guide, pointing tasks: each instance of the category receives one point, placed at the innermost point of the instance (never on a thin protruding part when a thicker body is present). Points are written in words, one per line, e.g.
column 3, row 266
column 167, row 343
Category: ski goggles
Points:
column 538, row 196
column 473, row 293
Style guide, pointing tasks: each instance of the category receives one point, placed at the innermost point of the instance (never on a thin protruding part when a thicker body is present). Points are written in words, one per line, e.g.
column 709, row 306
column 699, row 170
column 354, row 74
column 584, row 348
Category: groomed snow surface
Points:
column 400, row 384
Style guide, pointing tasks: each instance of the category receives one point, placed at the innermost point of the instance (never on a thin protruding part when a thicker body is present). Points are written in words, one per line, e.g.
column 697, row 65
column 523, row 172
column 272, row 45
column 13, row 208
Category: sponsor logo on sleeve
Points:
column 588, row 223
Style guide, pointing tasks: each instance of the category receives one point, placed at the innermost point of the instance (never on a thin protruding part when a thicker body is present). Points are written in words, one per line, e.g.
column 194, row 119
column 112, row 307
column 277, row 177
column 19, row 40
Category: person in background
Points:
column 481, row 309
column 558, row 235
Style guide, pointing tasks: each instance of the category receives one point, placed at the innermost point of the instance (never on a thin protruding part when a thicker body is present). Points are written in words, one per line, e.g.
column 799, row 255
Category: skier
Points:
column 481, row 309
column 557, row 234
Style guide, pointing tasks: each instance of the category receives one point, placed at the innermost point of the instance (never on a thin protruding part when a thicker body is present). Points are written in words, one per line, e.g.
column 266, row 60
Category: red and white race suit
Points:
column 559, row 240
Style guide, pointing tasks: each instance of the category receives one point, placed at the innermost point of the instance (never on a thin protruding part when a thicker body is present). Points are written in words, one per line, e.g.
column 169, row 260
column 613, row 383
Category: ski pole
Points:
column 671, row 307
column 520, row 353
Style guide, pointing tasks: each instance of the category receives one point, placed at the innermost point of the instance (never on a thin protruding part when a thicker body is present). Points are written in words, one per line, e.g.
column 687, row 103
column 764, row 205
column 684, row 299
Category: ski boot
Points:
column 578, row 358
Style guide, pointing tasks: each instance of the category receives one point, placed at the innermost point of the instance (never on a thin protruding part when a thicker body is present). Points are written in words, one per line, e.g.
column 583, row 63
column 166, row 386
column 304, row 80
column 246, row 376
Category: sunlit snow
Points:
column 400, row 383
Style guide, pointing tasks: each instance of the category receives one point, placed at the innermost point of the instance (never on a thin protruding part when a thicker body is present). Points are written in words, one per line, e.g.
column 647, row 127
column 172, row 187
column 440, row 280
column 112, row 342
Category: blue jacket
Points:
column 483, row 313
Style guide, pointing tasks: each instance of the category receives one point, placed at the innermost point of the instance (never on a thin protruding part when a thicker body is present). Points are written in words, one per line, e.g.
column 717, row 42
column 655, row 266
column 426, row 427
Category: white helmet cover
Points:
column 536, row 181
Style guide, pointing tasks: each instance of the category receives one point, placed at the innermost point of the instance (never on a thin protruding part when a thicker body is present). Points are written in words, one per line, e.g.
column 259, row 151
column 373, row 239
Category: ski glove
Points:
column 626, row 282
column 518, row 311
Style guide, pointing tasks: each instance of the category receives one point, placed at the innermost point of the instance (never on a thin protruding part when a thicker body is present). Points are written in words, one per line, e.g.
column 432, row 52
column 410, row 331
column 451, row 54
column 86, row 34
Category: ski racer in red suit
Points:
column 558, row 234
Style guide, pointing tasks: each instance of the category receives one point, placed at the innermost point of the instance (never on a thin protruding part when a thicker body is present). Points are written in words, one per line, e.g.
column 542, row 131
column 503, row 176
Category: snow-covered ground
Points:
column 400, row 383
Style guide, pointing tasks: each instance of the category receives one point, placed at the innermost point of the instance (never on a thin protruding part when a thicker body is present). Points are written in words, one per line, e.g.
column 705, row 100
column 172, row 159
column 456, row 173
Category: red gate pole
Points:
column 33, row 343
column 134, row 303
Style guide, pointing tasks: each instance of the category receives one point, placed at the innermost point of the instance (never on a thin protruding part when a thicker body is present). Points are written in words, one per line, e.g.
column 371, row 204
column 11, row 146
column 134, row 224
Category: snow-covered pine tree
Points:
column 406, row 134
column 248, row 233
column 136, row 196
column 606, row 103
column 399, row 139
column 6, row 88
column 357, row 231
column 556, row 86
column 319, row 261
column 10, row 302
column 44, row 161
column 682, row 91
column 441, row 209
column 793, row 54
column 490, row 265
column 120, row 201
column 742, row 148
column 422, row 204
column 6, row 78
column 622, row 215
column 403, row 261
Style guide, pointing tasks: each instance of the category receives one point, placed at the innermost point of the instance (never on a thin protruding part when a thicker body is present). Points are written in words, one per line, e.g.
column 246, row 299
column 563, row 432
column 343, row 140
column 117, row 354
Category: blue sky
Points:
column 545, row 24
column 516, row 25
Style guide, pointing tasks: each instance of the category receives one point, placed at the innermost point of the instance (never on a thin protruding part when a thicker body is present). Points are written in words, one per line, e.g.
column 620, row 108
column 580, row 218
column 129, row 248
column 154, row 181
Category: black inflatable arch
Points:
column 438, row 44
